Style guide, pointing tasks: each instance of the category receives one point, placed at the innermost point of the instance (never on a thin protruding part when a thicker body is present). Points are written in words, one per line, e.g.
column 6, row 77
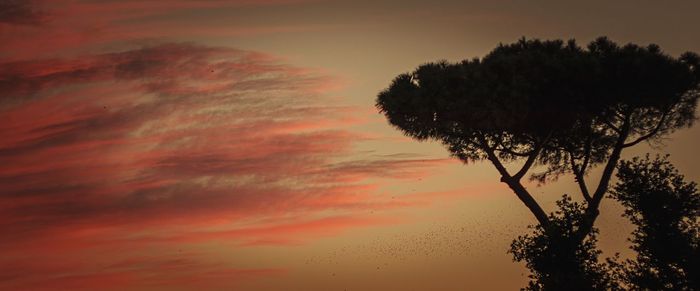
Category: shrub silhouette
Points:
column 666, row 212
column 557, row 259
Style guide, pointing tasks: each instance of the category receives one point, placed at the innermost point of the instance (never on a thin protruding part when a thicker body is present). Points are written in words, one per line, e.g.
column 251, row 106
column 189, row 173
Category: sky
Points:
column 234, row 145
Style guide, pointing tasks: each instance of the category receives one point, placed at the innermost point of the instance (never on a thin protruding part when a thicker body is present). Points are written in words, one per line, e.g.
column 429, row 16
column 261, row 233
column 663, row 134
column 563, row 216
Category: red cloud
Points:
column 111, row 162
column 174, row 144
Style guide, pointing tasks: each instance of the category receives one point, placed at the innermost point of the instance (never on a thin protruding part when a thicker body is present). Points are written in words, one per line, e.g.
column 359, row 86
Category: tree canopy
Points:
column 550, row 103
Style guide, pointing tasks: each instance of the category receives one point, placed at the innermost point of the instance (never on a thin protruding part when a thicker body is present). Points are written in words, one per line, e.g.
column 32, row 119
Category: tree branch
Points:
column 512, row 152
column 586, row 155
column 514, row 184
column 592, row 208
column 612, row 126
column 532, row 158
column 650, row 134
column 578, row 176
column 492, row 157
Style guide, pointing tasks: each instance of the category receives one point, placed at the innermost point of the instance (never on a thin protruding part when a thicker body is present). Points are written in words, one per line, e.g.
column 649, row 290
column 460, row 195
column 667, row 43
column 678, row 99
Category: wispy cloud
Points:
column 142, row 147
column 170, row 140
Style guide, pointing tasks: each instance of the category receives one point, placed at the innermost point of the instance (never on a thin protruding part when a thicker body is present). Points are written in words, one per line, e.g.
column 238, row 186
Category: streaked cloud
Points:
column 125, row 153
column 177, row 143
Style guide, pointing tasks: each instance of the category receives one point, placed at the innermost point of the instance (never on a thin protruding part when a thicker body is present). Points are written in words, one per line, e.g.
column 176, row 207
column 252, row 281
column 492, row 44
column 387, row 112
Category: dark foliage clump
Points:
column 666, row 211
column 557, row 259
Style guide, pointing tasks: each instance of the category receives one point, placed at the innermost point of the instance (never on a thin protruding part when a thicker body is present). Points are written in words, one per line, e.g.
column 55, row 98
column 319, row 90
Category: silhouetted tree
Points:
column 557, row 259
column 666, row 211
column 548, row 103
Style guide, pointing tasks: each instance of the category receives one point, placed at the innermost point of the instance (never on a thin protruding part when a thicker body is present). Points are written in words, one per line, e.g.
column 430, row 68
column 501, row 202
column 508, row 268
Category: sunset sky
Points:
column 234, row 145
